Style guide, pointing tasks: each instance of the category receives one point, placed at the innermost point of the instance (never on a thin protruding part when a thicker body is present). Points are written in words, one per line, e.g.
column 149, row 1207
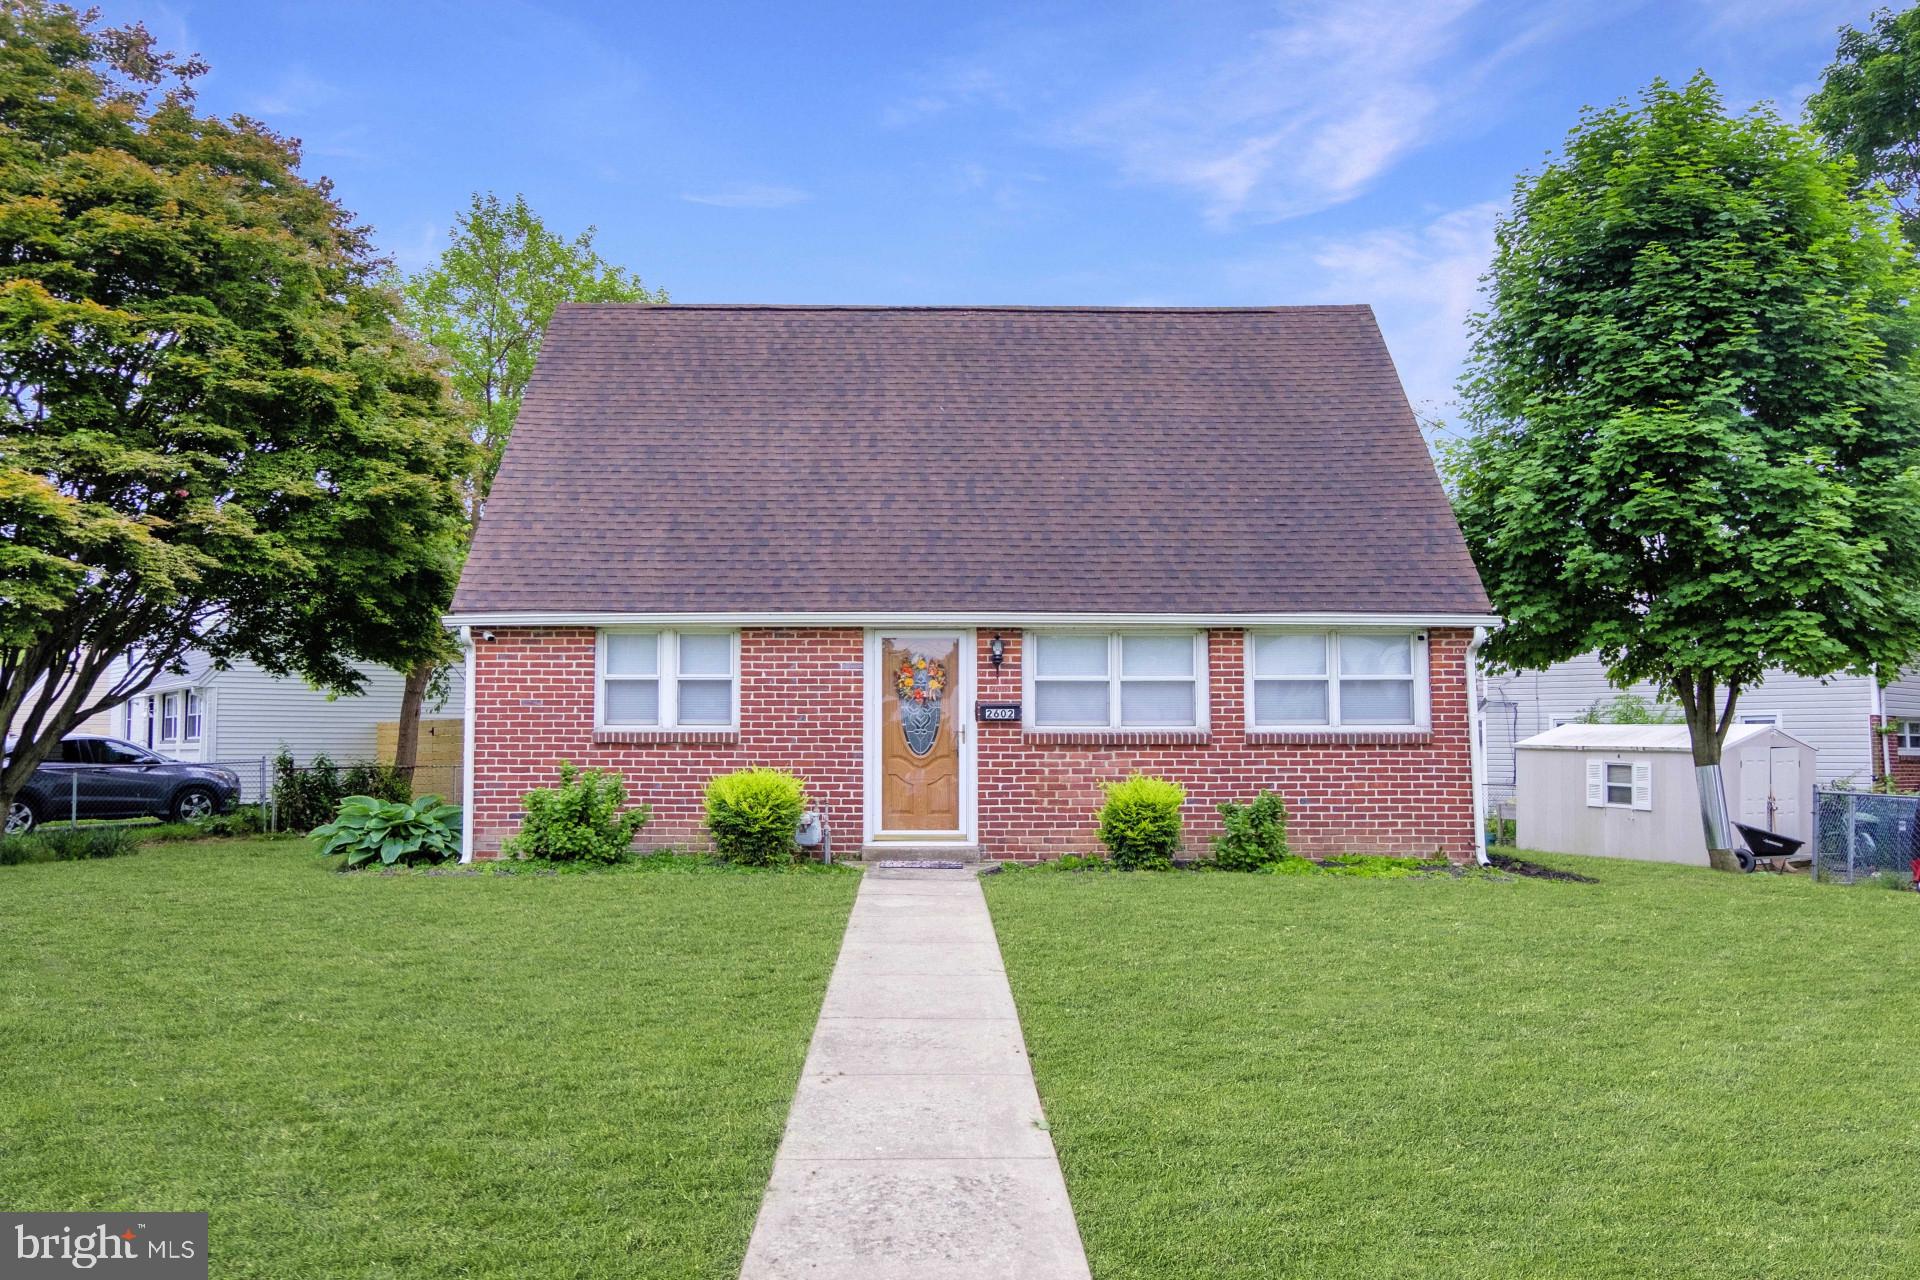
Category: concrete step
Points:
column 963, row 853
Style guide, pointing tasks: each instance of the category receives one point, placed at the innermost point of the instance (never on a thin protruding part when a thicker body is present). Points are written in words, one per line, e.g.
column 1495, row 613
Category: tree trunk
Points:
column 1707, row 730
column 406, row 741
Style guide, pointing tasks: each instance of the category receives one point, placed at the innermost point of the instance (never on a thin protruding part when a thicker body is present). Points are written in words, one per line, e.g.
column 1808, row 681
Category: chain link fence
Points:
column 1500, row 727
column 1860, row 836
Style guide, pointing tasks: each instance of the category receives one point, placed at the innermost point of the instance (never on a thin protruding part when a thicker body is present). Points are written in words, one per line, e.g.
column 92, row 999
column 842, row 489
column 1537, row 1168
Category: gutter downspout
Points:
column 466, row 752
column 1476, row 748
column 1877, row 710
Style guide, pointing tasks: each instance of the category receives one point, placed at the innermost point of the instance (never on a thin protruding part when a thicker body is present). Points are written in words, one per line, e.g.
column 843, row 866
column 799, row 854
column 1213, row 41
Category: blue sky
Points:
column 1190, row 153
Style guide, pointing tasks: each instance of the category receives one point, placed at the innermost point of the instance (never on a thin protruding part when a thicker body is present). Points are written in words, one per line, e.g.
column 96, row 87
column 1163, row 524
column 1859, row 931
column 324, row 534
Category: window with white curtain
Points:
column 668, row 679
column 1335, row 679
column 192, row 716
column 169, row 717
column 1117, row 679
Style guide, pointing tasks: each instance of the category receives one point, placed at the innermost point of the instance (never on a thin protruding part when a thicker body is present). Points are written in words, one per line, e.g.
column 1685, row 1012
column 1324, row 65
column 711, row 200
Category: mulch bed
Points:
column 1521, row 867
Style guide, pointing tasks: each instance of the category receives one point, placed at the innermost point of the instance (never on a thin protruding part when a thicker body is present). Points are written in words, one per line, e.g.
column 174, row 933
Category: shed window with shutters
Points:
column 1617, row 784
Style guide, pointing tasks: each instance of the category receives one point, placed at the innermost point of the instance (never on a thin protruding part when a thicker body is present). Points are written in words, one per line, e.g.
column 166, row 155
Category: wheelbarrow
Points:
column 1762, row 843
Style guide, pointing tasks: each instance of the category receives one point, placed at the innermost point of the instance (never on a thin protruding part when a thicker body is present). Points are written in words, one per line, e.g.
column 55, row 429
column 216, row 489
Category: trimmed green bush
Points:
column 581, row 820
column 753, row 814
column 420, row 831
column 1253, row 835
column 68, row 844
column 1140, row 822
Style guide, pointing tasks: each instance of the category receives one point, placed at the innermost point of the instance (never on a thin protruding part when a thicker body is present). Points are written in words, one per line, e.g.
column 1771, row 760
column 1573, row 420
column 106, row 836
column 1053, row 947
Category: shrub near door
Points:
column 581, row 820
column 1140, row 822
column 1252, row 835
column 753, row 815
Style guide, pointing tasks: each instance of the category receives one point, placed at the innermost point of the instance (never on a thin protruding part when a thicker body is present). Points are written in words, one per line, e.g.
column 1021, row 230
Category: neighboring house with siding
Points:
column 957, row 566
column 243, row 714
column 1837, row 716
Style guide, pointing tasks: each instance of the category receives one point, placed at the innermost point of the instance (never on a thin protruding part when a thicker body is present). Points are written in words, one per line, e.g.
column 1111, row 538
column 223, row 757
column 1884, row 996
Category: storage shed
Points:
column 1628, row 790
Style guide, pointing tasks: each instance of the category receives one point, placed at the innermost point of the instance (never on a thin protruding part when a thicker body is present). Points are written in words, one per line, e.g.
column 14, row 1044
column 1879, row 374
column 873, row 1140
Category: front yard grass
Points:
column 1672, row 1072
column 408, row 1076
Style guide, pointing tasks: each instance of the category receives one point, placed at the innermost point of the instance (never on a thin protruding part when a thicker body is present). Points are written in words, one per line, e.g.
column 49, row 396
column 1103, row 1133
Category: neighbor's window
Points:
column 668, row 679
column 193, row 715
column 1910, row 736
column 169, row 717
column 1117, row 679
column 1334, row 679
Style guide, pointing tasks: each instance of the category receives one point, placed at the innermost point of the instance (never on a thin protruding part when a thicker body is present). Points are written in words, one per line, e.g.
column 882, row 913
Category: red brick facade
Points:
column 801, row 699
column 1906, row 769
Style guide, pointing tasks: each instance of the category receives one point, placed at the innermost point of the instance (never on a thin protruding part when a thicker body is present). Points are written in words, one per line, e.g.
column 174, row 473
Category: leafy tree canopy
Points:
column 212, row 433
column 1694, row 435
column 1868, row 108
column 485, row 305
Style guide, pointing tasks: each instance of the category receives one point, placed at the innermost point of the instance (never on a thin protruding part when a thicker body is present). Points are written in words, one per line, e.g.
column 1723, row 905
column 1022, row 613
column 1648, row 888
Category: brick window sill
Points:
column 1119, row 737
column 651, row 737
column 1339, row 737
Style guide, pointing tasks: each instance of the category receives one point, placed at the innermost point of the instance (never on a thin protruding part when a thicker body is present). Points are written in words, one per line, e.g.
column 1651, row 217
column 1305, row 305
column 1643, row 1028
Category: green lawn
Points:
column 408, row 1076
column 1672, row 1072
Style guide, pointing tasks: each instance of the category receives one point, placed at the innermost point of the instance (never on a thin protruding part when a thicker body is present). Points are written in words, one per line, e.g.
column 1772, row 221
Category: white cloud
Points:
column 1306, row 117
column 297, row 92
column 1266, row 124
column 1421, row 279
column 748, row 195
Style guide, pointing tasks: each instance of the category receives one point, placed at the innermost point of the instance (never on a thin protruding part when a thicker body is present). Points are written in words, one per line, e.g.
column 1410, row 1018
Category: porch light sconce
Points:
column 996, row 651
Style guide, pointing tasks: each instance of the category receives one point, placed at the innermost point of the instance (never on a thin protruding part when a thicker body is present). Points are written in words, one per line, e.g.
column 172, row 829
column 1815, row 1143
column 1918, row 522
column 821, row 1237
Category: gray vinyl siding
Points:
column 1831, row 716
column 248, row 714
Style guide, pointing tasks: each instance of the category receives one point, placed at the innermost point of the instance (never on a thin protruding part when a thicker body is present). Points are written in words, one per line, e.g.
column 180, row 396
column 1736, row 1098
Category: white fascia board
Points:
column 981, row 617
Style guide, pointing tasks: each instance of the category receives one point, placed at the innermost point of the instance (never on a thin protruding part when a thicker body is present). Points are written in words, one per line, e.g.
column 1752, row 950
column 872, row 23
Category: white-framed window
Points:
column 1910, row 737
column 191, row 715
column 1619, row 784
column 1773, row 718
column 667, row 679
column 1116, row 679
column 169, row 717
column 1336, row 679
column 1556, row 721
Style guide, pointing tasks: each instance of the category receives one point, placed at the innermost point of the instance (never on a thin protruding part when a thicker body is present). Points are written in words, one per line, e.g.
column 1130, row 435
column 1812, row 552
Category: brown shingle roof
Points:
column 701, row 459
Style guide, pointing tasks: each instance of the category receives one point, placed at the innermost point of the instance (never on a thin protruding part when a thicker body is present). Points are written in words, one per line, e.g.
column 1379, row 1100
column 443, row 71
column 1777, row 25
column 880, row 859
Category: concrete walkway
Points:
column 916, row 1148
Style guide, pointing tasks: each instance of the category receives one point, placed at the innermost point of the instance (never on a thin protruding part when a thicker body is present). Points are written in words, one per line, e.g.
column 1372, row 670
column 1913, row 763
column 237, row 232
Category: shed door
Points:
column 1756, row 790
column 1786, row 790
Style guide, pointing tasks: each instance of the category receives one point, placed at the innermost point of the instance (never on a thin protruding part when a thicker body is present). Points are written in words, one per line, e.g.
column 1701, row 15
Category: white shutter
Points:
column 1596, row 784
column 1643, row 786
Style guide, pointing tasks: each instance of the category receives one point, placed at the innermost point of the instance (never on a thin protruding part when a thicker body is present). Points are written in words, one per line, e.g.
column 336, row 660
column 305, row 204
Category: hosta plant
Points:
column 366, row 829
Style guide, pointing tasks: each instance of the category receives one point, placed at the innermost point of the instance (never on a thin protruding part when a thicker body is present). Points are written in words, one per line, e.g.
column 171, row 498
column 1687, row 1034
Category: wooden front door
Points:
column 920, row 726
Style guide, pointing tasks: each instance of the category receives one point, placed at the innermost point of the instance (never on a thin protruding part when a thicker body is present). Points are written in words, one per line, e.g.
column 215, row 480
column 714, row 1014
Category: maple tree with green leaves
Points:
column 213, row 432
column 1694, row 431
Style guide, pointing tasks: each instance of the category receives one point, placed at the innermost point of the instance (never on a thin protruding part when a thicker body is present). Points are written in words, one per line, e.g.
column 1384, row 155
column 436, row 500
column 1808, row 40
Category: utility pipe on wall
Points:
column 466, row 752
column 1476, row 748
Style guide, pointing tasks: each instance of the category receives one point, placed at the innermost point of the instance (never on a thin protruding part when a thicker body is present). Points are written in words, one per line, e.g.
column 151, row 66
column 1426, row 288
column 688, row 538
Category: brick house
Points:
column 956, row 566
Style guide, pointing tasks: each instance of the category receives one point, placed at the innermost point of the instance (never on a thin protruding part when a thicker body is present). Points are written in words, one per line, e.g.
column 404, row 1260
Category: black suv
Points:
column 109, row 778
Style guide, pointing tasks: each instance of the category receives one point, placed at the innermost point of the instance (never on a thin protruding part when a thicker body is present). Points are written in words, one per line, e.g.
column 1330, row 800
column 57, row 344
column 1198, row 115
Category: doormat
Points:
column 921, row 864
